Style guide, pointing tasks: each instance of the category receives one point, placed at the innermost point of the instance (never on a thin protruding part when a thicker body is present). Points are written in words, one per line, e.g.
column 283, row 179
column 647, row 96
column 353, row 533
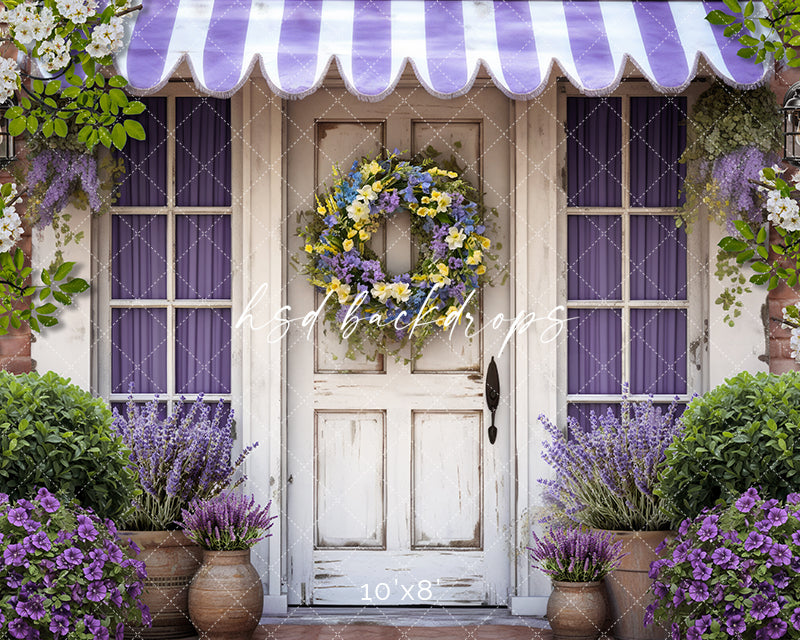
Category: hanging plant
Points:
column 733, row 134
column 61, row 171
column 371, row 309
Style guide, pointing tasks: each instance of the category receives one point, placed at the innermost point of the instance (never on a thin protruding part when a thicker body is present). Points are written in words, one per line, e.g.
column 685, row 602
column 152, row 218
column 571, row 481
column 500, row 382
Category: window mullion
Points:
column 625, row 249
column 170, row 253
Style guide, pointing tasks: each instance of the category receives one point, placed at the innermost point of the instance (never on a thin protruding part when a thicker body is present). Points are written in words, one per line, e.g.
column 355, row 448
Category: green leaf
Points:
column 118, row 96
column 749, row 8
column 46, row 277
column 134, row 129
column 19, row 259
column 63, row 271
column 47, row 321
column 60, row 127
column 117, row 81
column 32, row 124
column 62, row 298
column 733, row 5
column 46, row 308
column 762, row 235
column 731, row 244
column 762, row 251
column 105, row 137
column 743, row 228
column 118, row 136
column 134, row 108
column 47, row 129
column 13, row 112
column 750, row 41
column 75, row 285
column 719, row 17
column 17, row 126
column 52, row 87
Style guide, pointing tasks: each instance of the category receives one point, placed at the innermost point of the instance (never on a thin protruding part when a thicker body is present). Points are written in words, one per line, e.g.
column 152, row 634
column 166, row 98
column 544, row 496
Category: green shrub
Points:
column 744, row 433
column 53, row 434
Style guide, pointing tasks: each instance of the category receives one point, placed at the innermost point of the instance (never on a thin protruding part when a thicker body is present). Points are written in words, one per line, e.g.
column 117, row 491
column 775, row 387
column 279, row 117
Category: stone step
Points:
column 381, row 632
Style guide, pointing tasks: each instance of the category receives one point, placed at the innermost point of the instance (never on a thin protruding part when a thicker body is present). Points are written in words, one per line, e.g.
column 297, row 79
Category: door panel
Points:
column 396, row 496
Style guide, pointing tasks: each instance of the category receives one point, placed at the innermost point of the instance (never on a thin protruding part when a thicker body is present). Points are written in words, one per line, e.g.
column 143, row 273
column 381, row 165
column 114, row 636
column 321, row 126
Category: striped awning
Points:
column 519, row 43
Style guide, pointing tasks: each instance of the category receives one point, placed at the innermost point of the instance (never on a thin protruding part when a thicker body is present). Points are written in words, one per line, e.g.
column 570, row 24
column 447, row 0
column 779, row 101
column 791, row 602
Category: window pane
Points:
column 145, row 181
column 138, row 257
column 658, row 138
column 138, row 350
column 658, row 351
column 583, row 410
column 202, row 152
column 203, row 350
column 594, row 253
column 225, row 410
column 594, row 355
column 203, row 256
column 122, row 408
column 594, row 152
column 658, row 259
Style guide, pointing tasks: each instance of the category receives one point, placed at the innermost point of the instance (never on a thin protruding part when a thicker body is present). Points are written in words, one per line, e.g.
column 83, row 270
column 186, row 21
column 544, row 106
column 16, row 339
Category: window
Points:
column 167, row 282
column 630, row 271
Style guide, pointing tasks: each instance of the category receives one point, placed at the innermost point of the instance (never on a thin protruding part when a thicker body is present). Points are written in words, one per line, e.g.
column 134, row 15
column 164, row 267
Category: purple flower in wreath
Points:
column 747, row 500
column 96, row 591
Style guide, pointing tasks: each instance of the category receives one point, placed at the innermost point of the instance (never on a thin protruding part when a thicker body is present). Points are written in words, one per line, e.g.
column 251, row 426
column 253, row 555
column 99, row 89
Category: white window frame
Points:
column 696, row 303
column 102, row 302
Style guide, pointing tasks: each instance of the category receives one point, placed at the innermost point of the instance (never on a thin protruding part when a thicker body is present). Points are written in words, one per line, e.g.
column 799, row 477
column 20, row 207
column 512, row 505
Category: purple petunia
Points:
column 96, row 591
column 18, row 628
column 776, row 628
column 14, row 555
column 747, row 500
column 780, row 554
column 59, row 625
column 708, row 530
column 17, row 516
column 735, row 625
column 698, row 591
column 795, row 619
column 701, row 571
column 754, row 541
column 94, row 571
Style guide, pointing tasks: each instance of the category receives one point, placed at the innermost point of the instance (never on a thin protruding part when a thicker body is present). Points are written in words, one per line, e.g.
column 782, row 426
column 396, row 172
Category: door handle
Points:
column 492, row 396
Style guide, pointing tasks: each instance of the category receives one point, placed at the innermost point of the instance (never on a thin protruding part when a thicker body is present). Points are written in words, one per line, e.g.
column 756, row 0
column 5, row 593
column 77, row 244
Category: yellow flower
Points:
column 422, row 211
column 309, row 249
column 377, row 186
column 440, row 321
column 443, row 268
column 322, row 210
column 475, row 257
column 452, row 174
column 485, row 242
column 381, row 291
column 413, row 206
column 347, row 245
column 334, row 285
column 351, row 233
column 344, row 293
column 480, row 270
column 438, row 278
column 358, row 211
column 443, row 201
column 401, row 291
column 363, row 235
column 455, row 238
column 425, row 199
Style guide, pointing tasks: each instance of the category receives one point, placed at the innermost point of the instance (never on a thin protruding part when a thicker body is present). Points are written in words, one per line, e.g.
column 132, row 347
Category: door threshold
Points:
column 404, row 617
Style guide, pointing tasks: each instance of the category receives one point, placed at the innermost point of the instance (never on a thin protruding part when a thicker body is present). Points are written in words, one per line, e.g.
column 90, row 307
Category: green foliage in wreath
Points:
column 371, row 309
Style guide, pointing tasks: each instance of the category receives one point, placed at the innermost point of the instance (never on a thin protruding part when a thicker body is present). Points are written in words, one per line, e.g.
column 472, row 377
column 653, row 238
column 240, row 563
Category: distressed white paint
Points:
column 452, row 444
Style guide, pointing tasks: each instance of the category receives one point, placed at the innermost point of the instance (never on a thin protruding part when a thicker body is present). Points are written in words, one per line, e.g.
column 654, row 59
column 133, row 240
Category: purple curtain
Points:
column 594, row 351
column 202, row 152
column 202, row 256
column 658, row 138
column 145, row 180
column 594, row 152
column 658, row 258
column 203, row 350
column 582, row 411
column 658, row 351
column 139, row 350
column 138, row 258
column 594, row 253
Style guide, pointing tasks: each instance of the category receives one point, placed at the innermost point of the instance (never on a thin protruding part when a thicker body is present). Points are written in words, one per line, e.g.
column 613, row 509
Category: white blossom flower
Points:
column 455, row 238
column 9, row 78
column 54, row 54
column 10, row 228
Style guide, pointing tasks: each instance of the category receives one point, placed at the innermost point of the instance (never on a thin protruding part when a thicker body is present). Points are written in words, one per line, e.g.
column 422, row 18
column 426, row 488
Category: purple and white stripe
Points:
column 294, row 41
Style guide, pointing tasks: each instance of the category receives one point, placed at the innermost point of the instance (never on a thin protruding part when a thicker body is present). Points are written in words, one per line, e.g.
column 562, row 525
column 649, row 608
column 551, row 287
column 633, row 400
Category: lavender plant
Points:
column 574, row 554
column 183, row 457
column 605, row 476
column 733, row 571
column 227, row 522
column 64, row 573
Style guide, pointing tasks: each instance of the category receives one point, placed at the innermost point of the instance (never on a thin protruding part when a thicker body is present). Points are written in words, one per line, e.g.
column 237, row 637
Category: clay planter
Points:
column 576, row 610
column 226, row 597
column 171, row 560
column 628, row 586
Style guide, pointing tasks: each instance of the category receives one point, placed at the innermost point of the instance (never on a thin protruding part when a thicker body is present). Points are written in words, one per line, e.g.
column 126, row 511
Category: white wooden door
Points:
column 394, row 493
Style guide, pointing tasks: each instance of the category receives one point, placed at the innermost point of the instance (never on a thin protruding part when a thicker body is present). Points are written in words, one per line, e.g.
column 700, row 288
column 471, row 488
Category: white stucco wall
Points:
column 66, row 348
column 739, row 348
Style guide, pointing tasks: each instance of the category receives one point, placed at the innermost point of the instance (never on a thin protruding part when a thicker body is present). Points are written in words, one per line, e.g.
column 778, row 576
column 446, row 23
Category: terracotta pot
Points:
column 628, row 586
column 226, row 598
column 576, row 610
column 171, row 560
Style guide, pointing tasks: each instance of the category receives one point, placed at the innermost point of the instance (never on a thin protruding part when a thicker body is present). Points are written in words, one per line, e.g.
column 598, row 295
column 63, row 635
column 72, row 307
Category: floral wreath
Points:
column 362, row 298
